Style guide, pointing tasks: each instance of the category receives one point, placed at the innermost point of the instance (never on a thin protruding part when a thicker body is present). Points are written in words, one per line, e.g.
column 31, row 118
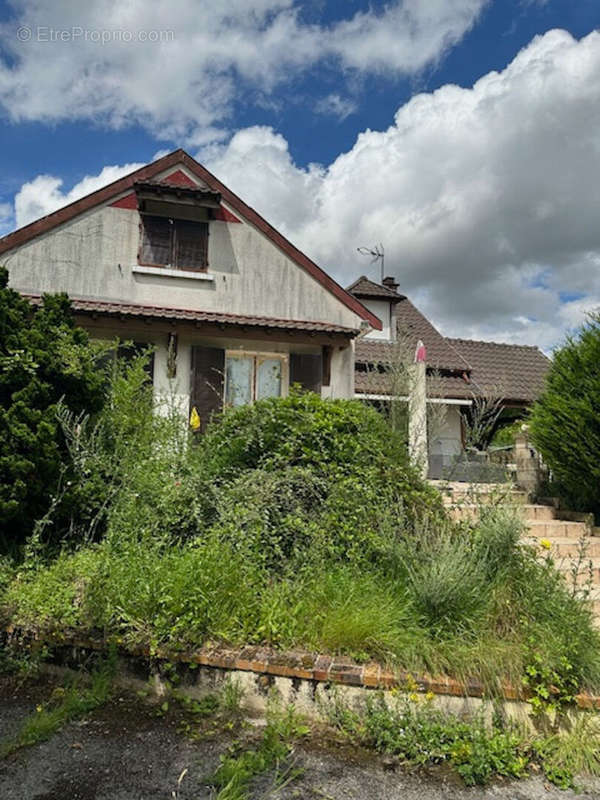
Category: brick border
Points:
column 302, row 665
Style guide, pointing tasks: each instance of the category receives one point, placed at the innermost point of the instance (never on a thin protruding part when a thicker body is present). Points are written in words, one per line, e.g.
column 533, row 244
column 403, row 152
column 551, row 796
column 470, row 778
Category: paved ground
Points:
column 125, row 752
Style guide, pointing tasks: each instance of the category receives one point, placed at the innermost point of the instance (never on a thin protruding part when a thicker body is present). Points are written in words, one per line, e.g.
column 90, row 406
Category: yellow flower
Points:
column 414, row 697
column 38, row 709
column 546, row 544
column 429, row 696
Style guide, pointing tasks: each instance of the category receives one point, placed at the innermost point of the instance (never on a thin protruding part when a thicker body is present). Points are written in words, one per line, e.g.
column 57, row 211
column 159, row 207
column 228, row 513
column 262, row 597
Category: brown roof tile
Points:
column 513, row 371
column 412, row 326
column 379, row 383
column 111, row 308
column 363, row 287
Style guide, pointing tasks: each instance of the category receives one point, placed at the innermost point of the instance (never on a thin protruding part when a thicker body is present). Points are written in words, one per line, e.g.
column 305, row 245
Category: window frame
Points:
column 257, row 356
column 173, row 221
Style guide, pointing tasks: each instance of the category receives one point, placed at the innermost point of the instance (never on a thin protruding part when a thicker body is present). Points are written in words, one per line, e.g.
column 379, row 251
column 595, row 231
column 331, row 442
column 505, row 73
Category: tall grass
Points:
column 295, row 523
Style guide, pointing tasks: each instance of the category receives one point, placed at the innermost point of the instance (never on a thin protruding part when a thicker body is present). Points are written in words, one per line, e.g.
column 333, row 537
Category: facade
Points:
column 462, row 374
column 169, row 256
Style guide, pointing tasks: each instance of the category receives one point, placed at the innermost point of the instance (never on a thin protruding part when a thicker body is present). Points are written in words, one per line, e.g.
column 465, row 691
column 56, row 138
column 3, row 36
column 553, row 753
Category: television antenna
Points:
column 376, row 253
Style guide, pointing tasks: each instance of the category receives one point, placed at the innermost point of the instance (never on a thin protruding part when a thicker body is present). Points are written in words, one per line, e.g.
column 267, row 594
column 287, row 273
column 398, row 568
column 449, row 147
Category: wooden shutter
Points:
column 306, row 370
column 206, row 396
column 191, row 245
column 155, row 247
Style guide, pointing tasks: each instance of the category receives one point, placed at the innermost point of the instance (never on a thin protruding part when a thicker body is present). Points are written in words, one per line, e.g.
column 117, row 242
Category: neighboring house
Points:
column 462, row 374
column 169, row 256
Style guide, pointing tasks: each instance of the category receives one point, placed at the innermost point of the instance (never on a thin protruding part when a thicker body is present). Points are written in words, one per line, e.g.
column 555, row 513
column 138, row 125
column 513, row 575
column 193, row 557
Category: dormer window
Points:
column 174, row 243
column 174, row 224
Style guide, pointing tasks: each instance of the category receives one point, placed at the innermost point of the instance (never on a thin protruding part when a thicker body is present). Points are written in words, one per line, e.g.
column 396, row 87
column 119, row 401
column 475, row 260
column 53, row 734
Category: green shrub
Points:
column 43, row 357
column 565, row 422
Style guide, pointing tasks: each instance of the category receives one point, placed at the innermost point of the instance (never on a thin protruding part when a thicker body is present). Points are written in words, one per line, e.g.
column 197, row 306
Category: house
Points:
column 171, row 257
column 462, row 375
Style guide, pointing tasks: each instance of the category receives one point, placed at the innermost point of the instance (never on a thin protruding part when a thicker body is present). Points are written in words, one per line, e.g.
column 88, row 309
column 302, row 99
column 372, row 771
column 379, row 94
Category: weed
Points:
column 420, row 735
column 64, row 704
column 571, row 753
column 273, row 753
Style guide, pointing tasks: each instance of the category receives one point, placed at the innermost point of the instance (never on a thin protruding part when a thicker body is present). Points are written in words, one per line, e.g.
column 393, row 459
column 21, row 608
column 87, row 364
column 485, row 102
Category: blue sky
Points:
column 291, row 102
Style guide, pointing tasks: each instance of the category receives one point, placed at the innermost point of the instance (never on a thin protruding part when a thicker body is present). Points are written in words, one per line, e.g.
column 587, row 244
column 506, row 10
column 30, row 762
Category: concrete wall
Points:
column 95, row 256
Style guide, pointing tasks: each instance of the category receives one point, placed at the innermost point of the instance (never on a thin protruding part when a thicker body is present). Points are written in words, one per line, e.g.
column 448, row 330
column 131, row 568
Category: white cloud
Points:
column 207, row 54
column 43, row 194
column 335, row 106
column 487, row 199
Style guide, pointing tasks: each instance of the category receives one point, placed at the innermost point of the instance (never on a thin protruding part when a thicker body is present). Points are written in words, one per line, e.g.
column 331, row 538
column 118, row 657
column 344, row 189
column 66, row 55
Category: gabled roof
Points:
column 363, row 287
column 150, row 172
column 513, row 371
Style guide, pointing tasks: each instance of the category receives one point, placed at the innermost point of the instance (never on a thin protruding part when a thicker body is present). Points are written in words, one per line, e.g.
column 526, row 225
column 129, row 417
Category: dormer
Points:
column 380, row 299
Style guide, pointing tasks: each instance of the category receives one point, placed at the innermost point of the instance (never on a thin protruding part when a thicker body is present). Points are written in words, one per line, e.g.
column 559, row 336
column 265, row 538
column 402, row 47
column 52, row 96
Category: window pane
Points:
column 156, row 241
column 238, row 384
column 268, row 378
column 192, row 245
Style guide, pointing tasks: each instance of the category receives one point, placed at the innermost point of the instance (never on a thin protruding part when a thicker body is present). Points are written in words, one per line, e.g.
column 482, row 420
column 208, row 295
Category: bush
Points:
column 43, row 357
column 565, row 422
column 307, row 542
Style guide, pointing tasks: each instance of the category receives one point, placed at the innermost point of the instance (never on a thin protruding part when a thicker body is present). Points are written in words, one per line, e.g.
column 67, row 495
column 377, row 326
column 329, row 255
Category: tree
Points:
column 44, row 357
column 565, row 421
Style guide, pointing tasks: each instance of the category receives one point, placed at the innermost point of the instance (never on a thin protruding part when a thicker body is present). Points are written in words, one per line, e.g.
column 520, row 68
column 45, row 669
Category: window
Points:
column 253, row 376
column 175, row 243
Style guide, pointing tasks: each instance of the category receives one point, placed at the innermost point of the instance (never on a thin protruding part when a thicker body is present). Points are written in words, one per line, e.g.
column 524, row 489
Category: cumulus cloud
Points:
column 486, row 199
column 44, row 194
column 178, row 66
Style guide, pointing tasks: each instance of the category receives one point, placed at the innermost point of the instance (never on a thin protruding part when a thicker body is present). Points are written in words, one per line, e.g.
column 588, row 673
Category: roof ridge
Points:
column 488, row 341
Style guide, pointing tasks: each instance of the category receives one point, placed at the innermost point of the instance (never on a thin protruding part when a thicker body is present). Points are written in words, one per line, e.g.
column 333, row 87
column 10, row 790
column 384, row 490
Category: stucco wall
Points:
column 383, row 310
column 177, row 390
column 94, row 255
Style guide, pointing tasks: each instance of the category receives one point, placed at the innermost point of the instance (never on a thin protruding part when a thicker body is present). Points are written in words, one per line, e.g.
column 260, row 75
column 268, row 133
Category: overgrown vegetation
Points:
column 565, row 422
column 239, row 767
column 295, row 522
column 410, row 729
column 44, row 358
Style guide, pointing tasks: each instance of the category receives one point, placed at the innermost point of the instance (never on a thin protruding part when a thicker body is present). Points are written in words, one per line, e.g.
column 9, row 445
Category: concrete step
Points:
column 529, row 512
column 588, row 570
column 565, row 546
column 549, row 529
column 468, row 496
column 494, row 492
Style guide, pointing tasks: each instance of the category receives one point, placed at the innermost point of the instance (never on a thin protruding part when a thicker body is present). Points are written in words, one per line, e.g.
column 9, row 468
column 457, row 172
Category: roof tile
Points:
column 112, row 308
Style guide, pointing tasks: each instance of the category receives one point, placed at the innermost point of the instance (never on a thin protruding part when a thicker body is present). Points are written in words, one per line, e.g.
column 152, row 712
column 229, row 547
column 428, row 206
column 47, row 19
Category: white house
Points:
column 168, row 255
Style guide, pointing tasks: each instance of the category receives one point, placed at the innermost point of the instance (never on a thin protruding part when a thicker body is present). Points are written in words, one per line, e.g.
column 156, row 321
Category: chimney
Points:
column 391, row 283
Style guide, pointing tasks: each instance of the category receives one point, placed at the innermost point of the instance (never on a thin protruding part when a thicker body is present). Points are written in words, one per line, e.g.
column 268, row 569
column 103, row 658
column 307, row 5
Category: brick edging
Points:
column 301, row 665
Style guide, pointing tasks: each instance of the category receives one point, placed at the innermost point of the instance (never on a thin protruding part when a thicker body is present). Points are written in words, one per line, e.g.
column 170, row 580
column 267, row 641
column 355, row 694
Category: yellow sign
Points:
column 195, row 422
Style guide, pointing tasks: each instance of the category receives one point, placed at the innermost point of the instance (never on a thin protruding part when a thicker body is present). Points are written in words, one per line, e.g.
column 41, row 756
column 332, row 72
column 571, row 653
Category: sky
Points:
column 462, row 135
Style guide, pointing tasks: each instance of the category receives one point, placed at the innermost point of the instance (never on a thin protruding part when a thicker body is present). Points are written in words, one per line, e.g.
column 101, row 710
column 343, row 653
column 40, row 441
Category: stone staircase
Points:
column 570, row 539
